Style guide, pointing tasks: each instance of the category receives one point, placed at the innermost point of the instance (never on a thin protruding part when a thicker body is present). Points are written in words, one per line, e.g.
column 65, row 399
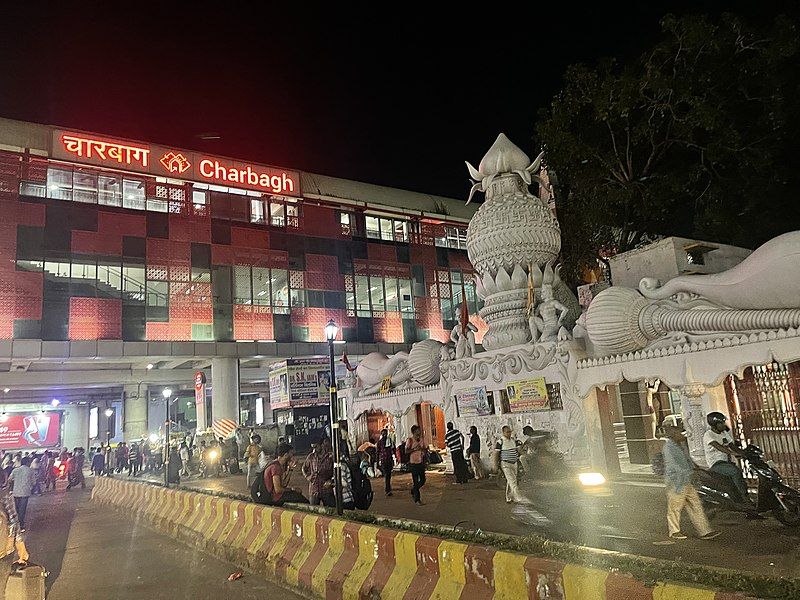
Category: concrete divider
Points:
column 323, row 557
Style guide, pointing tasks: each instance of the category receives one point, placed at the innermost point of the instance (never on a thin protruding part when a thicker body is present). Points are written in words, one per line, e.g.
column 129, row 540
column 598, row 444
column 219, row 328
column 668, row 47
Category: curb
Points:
column 320, row 556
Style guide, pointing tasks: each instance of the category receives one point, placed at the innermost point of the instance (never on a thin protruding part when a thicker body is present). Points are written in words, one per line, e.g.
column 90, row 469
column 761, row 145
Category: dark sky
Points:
column 388, row 93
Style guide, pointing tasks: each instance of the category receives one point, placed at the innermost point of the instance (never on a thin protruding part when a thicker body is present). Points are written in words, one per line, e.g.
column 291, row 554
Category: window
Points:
column 84, row 187
column 59, row 184
column 280, row 291
column 387, row 229
column 373, row 227
column 157, row 293
column 159, row 203
column 202, row 332
column 292, row 215
column 242, row 290
column 392, row 298
column 452, row 237
column 133, row 283
column 109, row 190
column 344, row 221
column 363, row 308
column 298, row 298
column 406, row 299
column 133, row 194
column 401, row 231
column 199, row 200
column 256, row 211
column 277, row 216
column 261, row 285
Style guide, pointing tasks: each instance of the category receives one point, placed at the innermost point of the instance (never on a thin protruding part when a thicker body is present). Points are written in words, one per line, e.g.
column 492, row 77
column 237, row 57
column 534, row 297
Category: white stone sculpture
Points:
column 761, row 293
column 424, row 360
column 511, row 231
column 464, row 342
column 375, row 366
column 551, row 312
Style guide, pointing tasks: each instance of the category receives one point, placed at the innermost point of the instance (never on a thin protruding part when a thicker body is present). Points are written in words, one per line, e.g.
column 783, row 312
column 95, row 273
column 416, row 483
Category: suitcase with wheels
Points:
column 26, row 583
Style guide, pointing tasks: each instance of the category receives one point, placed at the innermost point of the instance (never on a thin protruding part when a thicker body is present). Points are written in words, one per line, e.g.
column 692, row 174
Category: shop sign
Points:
column 473, row 402
column 168, row 162
column 27, row 431
column 299, row 382
column 527, row 395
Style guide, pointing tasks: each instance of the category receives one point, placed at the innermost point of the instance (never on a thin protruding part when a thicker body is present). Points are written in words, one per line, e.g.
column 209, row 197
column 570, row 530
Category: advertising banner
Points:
column 28, row 431
column 527, row 395
column 473, row 402
column 200, row 399
column 278, row 385
column 299, row 382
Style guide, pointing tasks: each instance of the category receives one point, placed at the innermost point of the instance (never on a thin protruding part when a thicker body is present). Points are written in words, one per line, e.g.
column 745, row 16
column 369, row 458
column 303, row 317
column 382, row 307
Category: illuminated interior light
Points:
column 591, row 479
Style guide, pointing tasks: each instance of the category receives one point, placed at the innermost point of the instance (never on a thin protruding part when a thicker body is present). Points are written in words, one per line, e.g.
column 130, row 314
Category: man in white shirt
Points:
column 720, row 454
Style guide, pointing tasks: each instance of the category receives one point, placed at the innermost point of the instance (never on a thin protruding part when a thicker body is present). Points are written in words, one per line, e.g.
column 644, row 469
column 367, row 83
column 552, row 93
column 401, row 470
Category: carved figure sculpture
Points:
column 551, row 314
column 376, row 365
column 464, row 342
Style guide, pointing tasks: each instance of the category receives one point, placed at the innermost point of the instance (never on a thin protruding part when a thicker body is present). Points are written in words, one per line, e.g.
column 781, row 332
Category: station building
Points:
column 127, row 267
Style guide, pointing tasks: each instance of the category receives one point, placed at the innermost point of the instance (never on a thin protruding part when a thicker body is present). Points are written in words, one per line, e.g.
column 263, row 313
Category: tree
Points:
column 695, row 137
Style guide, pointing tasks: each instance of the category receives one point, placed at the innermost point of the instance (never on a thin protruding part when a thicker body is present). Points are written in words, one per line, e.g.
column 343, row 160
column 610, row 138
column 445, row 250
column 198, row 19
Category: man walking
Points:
column 455, row 444
column 509, row 456
column 22, row 480
column 474, row 452
column 416, row 450
column 99, row 462
column 681, row 493
column 251, row 455
column 386, row 459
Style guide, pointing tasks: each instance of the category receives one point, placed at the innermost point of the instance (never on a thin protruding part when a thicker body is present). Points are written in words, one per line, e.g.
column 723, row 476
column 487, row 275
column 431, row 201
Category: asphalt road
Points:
column 632, row 520
column 94, row 552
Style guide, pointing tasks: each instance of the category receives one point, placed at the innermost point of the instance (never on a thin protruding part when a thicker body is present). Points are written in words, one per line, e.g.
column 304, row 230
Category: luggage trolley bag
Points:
column 26, row 583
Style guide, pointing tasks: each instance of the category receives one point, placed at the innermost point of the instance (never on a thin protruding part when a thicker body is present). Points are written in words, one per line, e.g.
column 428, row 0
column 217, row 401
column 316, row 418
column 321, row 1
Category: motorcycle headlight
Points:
column 213, row 454
column 591, row 479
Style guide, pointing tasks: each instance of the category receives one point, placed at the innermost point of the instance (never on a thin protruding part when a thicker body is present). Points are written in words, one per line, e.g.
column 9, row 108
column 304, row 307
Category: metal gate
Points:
column 764, row 411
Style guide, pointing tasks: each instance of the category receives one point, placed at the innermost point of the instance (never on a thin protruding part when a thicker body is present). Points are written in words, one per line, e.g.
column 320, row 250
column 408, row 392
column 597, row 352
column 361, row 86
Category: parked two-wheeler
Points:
column 718, row 493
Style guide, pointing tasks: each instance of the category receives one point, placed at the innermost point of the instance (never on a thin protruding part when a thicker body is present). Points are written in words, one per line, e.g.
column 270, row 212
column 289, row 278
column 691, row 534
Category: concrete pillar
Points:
column 696, row 402
column 135, row 412
column 225, row 389
column 600, row 432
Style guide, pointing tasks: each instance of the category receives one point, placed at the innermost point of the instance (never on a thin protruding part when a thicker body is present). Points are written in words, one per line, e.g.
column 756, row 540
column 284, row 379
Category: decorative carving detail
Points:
column 482, row 367
column 621, row 320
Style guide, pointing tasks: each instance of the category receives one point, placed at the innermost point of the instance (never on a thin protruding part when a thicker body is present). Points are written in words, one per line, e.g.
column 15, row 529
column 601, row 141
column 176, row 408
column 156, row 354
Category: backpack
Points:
column 657, row 464
column 362, row 489
column 258, row 490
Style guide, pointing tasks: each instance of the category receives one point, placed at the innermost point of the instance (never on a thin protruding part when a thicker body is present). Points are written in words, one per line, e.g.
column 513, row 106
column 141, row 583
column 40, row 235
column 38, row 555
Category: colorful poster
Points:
column 278, row 385
column 30, row 431
column 527, row 395
column 473, row 402
column 200, row 399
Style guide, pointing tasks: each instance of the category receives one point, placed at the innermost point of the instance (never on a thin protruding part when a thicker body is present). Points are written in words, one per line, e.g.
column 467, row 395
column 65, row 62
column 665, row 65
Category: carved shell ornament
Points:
column 502, row 158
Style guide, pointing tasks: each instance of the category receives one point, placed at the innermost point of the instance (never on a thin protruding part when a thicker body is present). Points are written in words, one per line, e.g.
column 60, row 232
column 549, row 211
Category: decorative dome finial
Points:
column 504, row 157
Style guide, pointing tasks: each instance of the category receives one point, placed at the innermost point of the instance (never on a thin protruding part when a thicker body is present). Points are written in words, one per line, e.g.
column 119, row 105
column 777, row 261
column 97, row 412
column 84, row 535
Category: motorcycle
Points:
column 718, row 493
column 556, row 496
column 209, row 464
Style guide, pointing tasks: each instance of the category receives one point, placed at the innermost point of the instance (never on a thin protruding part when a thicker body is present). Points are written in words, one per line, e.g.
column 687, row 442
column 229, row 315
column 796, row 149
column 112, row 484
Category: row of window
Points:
column 171, row 196
column 379, row 294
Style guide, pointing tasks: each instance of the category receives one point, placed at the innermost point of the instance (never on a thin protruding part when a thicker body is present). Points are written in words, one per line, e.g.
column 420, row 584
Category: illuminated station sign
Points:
column 169, row 162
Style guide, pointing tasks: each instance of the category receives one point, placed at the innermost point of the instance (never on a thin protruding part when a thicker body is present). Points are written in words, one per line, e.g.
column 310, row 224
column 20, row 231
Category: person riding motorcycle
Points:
column 720, row 453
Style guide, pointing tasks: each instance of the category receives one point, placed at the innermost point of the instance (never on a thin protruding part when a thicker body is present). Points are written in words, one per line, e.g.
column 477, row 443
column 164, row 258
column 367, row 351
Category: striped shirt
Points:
column 508, row 450
column 347, row 485
column 454, row 440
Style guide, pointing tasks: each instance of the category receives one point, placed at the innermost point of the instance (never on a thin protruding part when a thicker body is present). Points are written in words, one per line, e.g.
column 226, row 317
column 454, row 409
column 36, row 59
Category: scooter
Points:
column 718, row 493
column 209, row 465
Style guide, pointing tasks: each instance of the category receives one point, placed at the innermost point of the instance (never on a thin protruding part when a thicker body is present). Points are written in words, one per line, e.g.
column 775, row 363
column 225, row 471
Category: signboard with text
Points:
column 147, row 158
column 527, row 395
column 473, row 402
column 27, row 431
column 299, row 382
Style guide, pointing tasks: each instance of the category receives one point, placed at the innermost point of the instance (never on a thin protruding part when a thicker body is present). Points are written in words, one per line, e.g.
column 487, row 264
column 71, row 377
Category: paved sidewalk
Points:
column 93, row 552
column 633, row 520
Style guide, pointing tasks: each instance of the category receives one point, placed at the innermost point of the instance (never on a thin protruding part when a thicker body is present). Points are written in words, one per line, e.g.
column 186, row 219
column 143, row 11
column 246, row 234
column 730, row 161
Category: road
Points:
column 632, row 520
column 94, row 552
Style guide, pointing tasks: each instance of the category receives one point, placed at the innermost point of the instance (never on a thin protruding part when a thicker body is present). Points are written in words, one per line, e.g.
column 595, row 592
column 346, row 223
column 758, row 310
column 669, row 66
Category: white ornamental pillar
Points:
column 135, row 412
column 224, row 396
column 696, row 402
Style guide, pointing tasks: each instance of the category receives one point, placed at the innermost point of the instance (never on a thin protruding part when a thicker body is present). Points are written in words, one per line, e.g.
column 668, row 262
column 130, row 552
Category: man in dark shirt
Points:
column 455, row 443
column 386, row 459
column 474, row 453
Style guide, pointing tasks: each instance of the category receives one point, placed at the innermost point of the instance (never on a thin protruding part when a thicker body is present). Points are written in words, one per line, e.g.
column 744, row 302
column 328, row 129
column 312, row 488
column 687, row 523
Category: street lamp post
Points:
column 109, row 413
column 166, row 392
column 331, row 330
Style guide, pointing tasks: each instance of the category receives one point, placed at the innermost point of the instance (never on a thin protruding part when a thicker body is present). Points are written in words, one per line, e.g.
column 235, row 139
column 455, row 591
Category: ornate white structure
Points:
column 690, row 334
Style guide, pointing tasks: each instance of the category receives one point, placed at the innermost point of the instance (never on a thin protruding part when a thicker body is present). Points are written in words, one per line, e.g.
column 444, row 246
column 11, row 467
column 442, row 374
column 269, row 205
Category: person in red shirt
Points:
column 276, row 478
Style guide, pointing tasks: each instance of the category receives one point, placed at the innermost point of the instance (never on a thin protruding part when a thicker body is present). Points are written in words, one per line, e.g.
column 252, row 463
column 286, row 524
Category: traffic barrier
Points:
column 320, row 556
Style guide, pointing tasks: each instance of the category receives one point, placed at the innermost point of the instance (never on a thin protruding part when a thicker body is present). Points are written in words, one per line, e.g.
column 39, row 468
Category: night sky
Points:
column 382, row 92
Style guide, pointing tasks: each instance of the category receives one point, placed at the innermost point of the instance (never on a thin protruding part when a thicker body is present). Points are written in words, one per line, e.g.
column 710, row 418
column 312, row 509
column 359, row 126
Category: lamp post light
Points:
column 166, row 392
column 331, row 329
column 109, row 414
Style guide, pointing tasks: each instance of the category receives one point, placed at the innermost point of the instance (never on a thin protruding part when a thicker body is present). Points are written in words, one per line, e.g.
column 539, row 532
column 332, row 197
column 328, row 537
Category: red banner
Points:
column 30, row 430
